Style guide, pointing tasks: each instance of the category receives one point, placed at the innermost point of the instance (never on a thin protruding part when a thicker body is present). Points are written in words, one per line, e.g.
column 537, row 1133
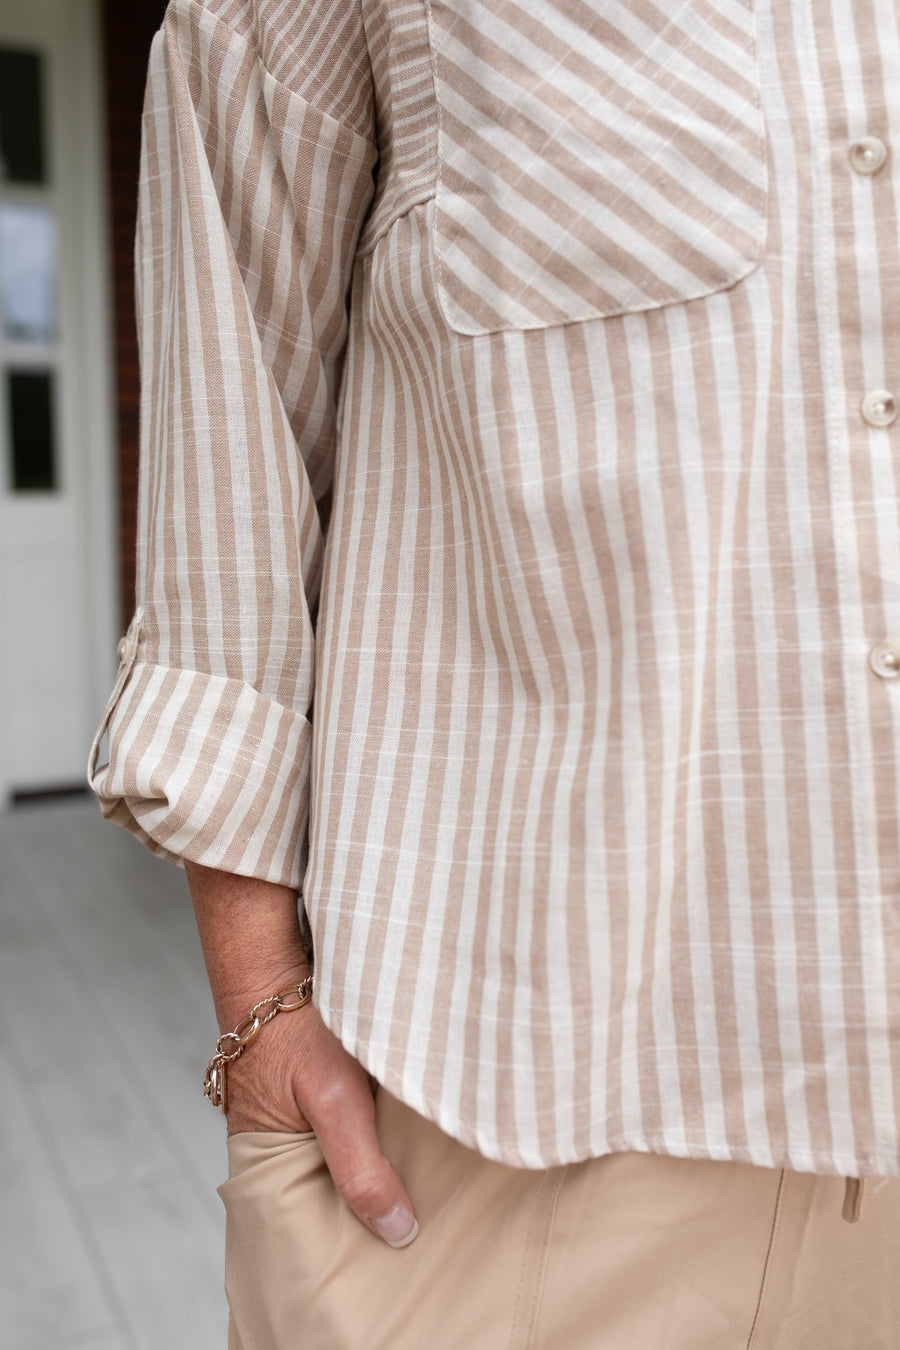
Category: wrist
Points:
column 251, row 937
column 234, row 999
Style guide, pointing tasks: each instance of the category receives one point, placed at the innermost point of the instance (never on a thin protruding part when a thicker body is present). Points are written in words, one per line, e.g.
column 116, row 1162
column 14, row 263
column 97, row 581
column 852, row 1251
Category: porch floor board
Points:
column 111, row 1233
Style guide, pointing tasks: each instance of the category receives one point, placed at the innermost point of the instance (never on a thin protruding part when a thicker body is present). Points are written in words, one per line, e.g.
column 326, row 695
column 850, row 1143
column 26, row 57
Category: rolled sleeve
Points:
column 251, row 202
column 205, row 768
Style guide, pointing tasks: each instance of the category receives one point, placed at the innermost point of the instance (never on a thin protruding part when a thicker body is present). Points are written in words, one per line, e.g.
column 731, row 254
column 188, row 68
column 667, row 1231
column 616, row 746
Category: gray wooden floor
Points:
column 110, row 1228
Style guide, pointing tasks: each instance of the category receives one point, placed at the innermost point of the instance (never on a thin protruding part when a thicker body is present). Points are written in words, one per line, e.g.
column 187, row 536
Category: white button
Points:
column 868, row 155
column 122, row 649
column 884, row 658
column 879, row 408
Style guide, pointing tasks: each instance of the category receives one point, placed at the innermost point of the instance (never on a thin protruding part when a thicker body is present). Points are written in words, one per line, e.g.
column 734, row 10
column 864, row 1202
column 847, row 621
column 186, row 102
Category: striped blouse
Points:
column 519, row 566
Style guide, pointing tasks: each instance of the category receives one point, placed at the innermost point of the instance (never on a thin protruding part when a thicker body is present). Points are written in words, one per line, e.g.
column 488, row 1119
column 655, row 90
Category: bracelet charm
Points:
column 215, row 1086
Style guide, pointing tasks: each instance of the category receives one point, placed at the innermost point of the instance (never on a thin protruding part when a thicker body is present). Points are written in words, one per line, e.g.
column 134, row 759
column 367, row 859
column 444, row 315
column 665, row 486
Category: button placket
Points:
column 868, row 155
column 879, row 407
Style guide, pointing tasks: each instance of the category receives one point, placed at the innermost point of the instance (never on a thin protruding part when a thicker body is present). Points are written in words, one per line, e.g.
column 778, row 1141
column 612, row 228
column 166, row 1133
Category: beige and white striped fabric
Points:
column 577, row 322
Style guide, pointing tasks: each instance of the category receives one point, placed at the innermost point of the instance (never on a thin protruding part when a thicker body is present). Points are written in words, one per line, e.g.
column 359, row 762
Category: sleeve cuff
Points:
column 206, row 769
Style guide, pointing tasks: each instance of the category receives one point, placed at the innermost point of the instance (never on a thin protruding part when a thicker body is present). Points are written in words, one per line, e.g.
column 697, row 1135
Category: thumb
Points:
column 344, row 1122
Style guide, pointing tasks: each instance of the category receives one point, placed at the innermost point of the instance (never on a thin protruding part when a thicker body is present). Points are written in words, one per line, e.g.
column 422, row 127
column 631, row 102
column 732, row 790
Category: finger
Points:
column 344, row 1121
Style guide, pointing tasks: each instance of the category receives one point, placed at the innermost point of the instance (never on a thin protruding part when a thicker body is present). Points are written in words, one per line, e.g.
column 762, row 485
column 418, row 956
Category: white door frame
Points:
column 69, row 32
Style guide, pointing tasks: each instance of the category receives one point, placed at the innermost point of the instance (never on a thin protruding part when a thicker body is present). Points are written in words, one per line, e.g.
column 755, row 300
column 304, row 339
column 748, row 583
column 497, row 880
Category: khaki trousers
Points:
column 627, row 1252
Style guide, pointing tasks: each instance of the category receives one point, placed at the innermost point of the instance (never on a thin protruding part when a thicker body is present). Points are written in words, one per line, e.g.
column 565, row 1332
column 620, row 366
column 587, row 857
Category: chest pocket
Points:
column 597, row 157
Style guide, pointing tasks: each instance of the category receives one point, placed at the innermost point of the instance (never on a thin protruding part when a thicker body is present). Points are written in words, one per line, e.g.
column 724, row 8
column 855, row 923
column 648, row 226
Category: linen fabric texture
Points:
column 513, row 547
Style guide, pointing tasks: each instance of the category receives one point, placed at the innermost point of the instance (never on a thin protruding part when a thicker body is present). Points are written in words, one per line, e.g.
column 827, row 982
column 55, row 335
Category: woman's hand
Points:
column 295, row 1075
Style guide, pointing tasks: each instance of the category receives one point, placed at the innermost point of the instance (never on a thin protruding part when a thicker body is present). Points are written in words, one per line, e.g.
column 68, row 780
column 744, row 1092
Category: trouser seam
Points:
column 543, row 1236
column 767, row 1267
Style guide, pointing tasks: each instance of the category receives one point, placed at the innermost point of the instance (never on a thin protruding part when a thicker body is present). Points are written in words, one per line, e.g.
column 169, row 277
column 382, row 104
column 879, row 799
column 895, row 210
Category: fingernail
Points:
column 398, row 1227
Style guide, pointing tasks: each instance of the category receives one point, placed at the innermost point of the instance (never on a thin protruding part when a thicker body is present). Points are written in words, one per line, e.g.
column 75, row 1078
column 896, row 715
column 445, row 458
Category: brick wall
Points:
column 127, row 33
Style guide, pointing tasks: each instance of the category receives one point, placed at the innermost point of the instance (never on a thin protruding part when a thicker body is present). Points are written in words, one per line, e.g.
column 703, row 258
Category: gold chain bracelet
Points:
column 232, row 1044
